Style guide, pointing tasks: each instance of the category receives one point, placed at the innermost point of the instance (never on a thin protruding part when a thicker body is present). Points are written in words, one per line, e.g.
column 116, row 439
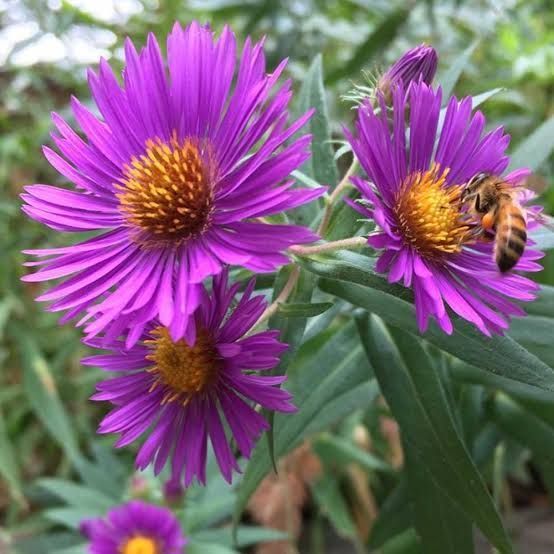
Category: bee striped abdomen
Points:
column 511, row 235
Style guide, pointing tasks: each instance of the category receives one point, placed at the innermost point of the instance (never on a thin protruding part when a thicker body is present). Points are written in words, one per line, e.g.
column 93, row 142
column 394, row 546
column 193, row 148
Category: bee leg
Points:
column 487, row 221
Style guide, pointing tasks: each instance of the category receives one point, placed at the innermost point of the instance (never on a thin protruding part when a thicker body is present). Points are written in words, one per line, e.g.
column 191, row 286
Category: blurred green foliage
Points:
column 47, row 426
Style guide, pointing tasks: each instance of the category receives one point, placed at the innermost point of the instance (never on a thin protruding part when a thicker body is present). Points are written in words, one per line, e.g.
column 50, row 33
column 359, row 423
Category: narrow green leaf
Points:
column 312, row 95
column 71, row 517
column 78, row 549
column 9, row 468
column 291, row 332
column 441, row 525
column 416, row 397
column 406, row 543
column 337, row 450
column 328, row 496
column 471, row 374
column 536, row 148
column 291, row 329
column 395, row 515
column 321, row 166
column 535, row 333
column 247, row 535
column 479, row 99
column 40, row 388
column 375, row 43
column 197, row 547
column 304, row 179
column 306, row 309
column 352, row 279
column 76, row 495
column 524, row 427
column 328, row 386
column 345, row 221
column 449, row 79
column 544, row 305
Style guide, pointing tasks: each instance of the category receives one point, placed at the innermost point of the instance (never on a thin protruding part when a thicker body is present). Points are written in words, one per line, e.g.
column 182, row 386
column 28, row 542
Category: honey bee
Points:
column 492, row 203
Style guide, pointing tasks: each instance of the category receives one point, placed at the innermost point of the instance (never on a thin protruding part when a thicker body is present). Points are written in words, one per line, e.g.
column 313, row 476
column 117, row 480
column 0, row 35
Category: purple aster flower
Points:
column 135, row 528
column 174, row 177
column 419, row 63
column 413, row 195
column 182, row 392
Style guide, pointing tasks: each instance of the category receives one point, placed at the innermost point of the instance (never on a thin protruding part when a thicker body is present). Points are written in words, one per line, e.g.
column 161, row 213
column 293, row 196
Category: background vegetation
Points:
column 354, row 472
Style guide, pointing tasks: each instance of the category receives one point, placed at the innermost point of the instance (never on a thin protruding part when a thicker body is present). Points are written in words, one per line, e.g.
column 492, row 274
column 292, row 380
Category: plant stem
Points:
column 282, row 297
column 352, row 242
column 339, row 189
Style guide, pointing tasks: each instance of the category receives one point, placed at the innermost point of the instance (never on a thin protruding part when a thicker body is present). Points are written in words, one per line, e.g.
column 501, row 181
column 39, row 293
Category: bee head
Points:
column 472, row 186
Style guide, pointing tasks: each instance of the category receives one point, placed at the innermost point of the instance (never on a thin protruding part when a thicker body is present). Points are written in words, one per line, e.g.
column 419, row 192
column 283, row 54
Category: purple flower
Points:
column 180, row 393
column 415, row 64
column 413, row 195
column 174, row 177
column 135, row 528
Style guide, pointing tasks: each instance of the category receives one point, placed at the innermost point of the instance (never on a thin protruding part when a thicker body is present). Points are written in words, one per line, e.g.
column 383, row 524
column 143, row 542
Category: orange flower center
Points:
column 167, row 191
column 139, row 544
column 429, row 213
column 185, row 370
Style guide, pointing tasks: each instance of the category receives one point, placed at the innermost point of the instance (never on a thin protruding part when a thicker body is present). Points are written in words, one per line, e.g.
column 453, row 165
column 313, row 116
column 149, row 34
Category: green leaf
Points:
column 544, row 305
column 350, row 277
column 525, row 428
column 206, row 506
column 470, row 374
column 328, row 496
column 345, row 221
column 374, row 44
column 9, row 468
column 535, row 333
column 291, row 330
column 330, row 385
column 78, row 549
column 312, row 95
column 247, row 535
column 441, row 525
column 321, row 166
column 449, row 79
column 40, row 388
column 394, row 517
column 337, row 450
column 304, row 179
column 197, row 547
column 51, row 543
column 306, row 309
column 536, row 148
column 76, row 495
column 479, row 99
column 71, row 517
column 415, row 395
column 406, row 543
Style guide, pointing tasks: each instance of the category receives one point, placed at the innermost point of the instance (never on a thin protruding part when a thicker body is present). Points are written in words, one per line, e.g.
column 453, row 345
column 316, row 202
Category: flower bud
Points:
column 418, row 63
column 174, row 492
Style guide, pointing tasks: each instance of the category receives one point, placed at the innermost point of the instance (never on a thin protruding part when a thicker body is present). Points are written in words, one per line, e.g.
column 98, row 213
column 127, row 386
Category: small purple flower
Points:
column 179, row 393
column 135, row 528
column 174, row 177
column 415, row 64
column 413, row 195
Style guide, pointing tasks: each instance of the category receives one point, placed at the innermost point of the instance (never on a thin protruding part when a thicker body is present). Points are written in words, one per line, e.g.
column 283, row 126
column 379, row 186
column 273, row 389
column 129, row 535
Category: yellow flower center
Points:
column 185, row 370
column 167, row 191
column 140, row 544
column 429, row 213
